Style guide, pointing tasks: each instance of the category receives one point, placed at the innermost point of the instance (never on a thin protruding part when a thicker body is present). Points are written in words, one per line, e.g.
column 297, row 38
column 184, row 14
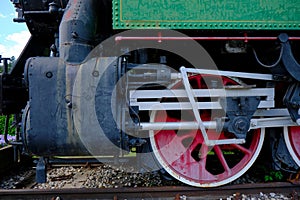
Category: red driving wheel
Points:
column 185, row 156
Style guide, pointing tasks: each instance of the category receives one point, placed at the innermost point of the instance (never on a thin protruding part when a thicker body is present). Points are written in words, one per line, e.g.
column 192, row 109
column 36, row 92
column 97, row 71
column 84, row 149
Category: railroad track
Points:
column 147, row 193
column 162, row 193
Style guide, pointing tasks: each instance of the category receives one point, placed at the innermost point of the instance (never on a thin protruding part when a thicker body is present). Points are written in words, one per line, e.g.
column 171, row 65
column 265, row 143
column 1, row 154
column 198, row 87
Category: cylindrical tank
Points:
column 76, row 121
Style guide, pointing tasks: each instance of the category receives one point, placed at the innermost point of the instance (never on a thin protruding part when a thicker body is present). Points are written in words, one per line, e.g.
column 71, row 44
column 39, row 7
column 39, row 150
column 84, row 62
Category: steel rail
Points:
column 147, row 193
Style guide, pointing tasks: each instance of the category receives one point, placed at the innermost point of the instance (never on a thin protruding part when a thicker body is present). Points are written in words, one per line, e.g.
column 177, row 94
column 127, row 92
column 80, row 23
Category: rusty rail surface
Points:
column 162, row 193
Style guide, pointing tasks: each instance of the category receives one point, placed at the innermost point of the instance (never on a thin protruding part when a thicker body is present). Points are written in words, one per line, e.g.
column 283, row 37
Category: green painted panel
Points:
column 207, row 14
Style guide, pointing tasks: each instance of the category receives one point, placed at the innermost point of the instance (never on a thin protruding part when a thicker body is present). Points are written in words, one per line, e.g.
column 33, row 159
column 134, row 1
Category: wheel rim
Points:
column 292, row 141
column 184, row 155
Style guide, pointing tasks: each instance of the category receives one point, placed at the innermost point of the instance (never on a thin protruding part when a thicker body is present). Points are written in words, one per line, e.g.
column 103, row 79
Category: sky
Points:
column 13, row 36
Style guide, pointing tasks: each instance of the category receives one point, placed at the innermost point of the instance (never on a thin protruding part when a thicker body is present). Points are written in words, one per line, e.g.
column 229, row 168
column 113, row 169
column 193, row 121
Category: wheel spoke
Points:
column 242, row 149
column 170, row 146
column 203, row 154
column 222, row 159
column 196, row 83
column 191, row 168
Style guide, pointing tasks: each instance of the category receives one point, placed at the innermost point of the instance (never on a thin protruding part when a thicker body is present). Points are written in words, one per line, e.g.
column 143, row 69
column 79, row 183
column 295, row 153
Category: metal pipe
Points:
column 176, row 125
column 6, row 129
column 78, row 30
column 6, row 126
column 159, row 39
column 190, row 126
column 255, row 124
column 36, row 12
column 193, row 103
column 232, row 74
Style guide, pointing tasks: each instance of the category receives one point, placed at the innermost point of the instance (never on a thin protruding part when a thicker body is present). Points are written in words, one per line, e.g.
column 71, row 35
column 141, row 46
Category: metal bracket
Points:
column 239, row 111
column 41, row 175
column 292, row 101
column 288, row 59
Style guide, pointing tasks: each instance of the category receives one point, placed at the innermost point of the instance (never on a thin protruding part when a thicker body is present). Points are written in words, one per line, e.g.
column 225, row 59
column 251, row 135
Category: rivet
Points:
column 49, row 74
column 95, row 73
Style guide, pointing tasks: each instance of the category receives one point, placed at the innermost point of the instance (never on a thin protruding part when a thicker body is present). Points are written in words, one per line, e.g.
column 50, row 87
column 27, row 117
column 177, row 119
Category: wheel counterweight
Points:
column 185, row 156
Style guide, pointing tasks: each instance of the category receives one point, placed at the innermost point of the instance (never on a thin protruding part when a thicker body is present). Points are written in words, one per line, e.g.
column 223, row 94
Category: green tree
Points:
column 11, row 130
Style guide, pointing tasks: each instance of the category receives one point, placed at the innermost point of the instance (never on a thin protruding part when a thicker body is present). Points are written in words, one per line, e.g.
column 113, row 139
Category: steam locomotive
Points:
column 194, row 88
